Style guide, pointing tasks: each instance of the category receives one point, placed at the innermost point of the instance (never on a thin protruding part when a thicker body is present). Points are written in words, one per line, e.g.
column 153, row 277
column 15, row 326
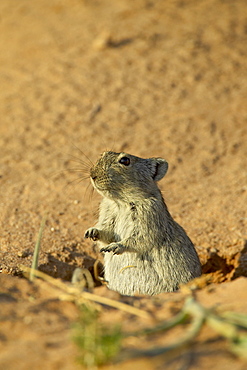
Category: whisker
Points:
column 89, row 160
column 87, row 188
column 71, row 170
column 81, row 168
column 91, row 194
column 78, row 160
column 56, row 173
column 77, row 169
column 77, row 180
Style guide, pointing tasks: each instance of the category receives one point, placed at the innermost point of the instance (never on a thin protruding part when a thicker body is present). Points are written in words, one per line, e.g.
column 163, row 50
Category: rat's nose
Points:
column 93, row 175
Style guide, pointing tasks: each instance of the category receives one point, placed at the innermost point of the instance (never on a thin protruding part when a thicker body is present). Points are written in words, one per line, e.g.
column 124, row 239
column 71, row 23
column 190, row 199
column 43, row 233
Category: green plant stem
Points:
column 180, row 318
column 36, row 250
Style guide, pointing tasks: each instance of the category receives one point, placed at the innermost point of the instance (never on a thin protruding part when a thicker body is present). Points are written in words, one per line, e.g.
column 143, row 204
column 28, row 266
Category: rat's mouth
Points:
column 96, row 184
column 93, row 180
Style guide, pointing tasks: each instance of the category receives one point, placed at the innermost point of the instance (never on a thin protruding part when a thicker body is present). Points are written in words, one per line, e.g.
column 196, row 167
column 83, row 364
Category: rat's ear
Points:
column 159, row 168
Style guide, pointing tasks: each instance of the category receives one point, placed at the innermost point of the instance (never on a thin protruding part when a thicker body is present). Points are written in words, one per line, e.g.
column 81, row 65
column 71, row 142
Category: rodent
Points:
column 145, row 250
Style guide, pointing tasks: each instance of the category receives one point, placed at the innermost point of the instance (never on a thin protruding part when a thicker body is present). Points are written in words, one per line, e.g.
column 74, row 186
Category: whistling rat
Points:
column 145, row 250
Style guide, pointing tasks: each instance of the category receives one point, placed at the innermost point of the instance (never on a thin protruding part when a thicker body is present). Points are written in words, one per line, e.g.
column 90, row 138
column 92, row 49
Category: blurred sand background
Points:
column 152, row 78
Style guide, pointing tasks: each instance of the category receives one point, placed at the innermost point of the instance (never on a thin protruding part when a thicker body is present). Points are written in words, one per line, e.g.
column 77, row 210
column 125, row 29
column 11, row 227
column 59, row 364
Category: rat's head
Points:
column 124, row 177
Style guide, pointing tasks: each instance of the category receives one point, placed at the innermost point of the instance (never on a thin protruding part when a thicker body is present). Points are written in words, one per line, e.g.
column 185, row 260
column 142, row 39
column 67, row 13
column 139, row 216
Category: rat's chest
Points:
column 124, row 223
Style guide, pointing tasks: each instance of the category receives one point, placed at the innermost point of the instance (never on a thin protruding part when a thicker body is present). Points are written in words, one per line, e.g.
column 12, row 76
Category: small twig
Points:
column 82, row 278
column 126, row 267
column 96, row 272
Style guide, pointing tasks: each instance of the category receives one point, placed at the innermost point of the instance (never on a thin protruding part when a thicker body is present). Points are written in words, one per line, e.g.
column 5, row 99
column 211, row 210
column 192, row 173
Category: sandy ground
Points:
column 152, row 78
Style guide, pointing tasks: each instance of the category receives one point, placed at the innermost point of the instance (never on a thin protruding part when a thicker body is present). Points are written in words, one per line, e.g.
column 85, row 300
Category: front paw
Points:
column 116, row 248
column 92, row 233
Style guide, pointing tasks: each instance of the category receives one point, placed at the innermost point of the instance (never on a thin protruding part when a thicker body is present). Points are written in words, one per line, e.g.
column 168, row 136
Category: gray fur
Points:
column 145, row 250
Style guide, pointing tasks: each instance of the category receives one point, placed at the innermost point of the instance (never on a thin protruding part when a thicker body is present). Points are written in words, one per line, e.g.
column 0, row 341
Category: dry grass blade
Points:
column 199, row 316
column 37, row 249
column 193, row 330
column 235, row 318
column 81, row 295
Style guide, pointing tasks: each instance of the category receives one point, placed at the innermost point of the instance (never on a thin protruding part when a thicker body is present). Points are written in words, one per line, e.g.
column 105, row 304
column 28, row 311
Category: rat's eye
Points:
column 125, row 161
